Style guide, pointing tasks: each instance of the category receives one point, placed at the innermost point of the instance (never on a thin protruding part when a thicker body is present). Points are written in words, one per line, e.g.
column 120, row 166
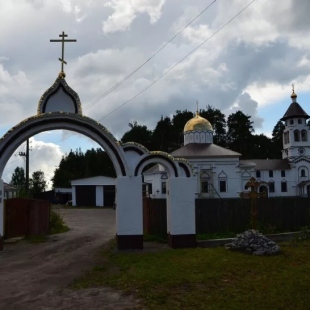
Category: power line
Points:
column 177, row 63
column 149, row 59
column 171, row 68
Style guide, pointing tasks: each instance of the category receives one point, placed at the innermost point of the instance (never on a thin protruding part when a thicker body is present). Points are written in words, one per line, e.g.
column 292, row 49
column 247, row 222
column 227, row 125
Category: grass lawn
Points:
column 210, row 278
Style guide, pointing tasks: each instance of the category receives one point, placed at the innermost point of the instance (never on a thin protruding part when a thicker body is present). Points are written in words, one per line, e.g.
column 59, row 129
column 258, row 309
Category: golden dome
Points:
column 198, row 123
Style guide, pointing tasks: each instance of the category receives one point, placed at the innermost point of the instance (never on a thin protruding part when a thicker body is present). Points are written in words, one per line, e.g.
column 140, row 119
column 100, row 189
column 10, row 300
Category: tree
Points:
column 139, row 134
column 178, row 122
column 162, row 138
column 19, row 181
column 261, row 147
column 239, row 133
column 77, row 165
column 37, row 183
column 218, row 122
column 277, row 139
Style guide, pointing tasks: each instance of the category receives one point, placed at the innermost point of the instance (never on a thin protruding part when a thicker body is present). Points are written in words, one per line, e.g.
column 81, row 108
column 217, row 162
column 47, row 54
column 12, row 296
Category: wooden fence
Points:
column 234, row 215
column 25, row 217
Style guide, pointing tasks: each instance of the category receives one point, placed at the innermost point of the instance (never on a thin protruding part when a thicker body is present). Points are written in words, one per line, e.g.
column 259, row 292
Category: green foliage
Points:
column 139, row 134
column 19, row 181
column 206, row 278
column 219, row 235
column 36, row 239
column 155, row 238
column 37, row 183
column 78, row 165
column 305, row 233
column 57, row 224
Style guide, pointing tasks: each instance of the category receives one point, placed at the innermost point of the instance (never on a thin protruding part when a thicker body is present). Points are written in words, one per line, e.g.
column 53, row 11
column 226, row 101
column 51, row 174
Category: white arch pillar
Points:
column 181, row 223
column 129, row 213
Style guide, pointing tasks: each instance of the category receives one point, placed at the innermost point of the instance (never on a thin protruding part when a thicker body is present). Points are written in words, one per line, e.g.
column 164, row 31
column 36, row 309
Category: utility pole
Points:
column 26, row 155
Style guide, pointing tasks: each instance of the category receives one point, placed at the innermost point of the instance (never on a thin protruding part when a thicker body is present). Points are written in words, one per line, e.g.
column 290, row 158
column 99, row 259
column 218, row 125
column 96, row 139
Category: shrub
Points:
column 57, row 224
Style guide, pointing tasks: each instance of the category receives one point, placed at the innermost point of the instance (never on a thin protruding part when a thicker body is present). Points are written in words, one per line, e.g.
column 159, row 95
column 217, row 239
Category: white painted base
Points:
column 129, row 213
column 181, row 206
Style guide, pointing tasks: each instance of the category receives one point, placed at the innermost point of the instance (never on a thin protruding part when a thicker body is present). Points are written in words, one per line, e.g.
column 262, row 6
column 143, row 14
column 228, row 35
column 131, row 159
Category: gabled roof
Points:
column 266, row 164
column 295, row 110
column 8, row 187
column 204, row 150
column 98, row 180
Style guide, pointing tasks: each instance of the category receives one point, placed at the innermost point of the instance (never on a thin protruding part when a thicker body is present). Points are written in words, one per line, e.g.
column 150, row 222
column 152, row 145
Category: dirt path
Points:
column 36, row 276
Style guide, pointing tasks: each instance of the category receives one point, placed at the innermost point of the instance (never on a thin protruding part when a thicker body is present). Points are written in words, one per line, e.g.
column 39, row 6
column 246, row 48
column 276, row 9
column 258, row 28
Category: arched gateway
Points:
column 60, row 108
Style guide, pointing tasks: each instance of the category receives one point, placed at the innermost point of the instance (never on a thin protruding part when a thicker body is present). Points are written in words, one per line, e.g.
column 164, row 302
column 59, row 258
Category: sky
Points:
column 220, row 53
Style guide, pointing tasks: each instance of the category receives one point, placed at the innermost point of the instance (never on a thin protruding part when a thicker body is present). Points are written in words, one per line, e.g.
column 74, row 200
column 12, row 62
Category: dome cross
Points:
column 63, row 41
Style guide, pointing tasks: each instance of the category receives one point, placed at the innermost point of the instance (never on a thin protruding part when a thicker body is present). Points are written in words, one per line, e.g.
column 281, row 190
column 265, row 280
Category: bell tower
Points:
column 296, row 134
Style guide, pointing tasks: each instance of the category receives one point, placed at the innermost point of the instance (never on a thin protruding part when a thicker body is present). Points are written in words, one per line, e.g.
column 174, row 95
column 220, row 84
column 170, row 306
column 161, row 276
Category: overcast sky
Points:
column 249, row 64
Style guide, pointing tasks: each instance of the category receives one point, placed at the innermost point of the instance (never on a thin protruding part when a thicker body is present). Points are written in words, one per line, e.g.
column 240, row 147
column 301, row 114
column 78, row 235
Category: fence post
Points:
column 129, row 213
column 181, row 212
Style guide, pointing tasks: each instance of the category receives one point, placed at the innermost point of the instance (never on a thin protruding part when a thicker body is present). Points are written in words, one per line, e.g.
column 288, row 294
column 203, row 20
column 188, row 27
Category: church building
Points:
column 220, row 172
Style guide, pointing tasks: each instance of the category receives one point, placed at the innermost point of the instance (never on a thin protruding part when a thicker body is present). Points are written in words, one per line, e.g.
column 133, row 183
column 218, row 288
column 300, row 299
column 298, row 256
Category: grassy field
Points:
column 212, row 278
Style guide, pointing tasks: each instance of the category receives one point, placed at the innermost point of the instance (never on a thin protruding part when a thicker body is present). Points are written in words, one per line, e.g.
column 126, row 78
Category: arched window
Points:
column 291, row 122
column 299, row 121
column 204, row 181
column 283, row 173
column 286, row 137
column 271, row 186
column 296, row 135
column 302, row 172
column 304, row 135
column 283, row 186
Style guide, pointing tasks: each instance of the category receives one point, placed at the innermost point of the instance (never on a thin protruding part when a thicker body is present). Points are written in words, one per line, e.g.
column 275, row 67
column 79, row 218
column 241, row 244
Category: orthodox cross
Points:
column 293, row 87
column 197, row 107
column 62, row 40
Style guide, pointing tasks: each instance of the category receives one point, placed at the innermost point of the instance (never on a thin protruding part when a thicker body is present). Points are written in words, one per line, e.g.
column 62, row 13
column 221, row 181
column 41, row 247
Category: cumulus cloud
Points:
column 125, row 12
column 42, row 156
column 251, row 63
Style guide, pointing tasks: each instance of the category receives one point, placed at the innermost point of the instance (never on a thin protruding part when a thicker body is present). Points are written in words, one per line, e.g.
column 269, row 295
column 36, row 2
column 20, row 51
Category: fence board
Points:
column 234, row 215
column 24, row 217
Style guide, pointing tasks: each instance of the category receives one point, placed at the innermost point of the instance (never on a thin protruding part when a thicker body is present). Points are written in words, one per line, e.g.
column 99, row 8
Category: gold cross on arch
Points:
column 63, row 41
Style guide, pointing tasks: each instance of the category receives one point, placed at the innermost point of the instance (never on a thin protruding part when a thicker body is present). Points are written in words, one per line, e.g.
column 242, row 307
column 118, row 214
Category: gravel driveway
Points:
column 36, row 276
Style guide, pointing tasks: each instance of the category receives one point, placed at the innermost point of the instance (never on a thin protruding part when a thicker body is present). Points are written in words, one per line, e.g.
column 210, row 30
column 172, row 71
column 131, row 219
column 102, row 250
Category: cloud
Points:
column 42, row 156
column 125, row 12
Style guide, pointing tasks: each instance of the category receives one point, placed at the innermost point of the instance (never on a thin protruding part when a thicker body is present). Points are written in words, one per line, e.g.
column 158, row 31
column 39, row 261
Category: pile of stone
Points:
column 252, row 241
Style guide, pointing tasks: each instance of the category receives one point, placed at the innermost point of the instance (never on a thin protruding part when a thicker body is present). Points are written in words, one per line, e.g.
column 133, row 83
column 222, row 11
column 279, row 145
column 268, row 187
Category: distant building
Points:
column 95, row 191
column 221, row 173
column 10, row 191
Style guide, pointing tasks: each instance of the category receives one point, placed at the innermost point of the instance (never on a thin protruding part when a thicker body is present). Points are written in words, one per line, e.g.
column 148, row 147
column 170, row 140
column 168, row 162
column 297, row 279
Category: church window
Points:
column 223, row 185
column 296, row 135
column 163, row 187
column 271, row 187
column 299, row 121
column 204, row 187
column 291, row 122
column 302, row 173
column 304, row 135
column 270, row 174
column 258, row 174
column 150, row 188
column 283, row 186
column 286, row 137
column 283, row 173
